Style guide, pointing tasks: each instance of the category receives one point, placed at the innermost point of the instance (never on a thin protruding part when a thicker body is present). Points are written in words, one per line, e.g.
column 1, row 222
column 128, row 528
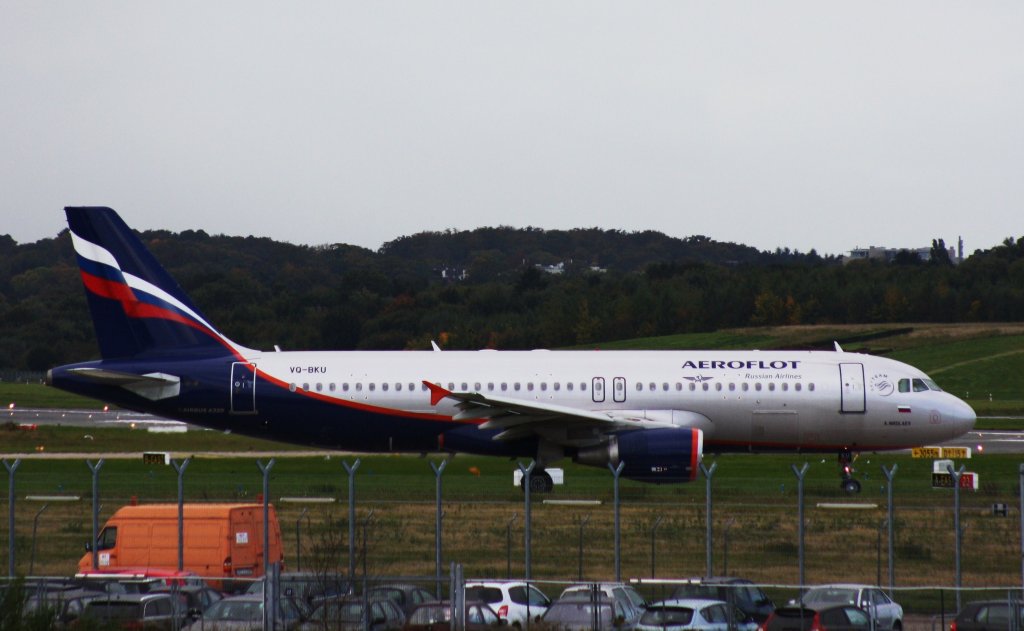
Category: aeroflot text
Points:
column 749, row 365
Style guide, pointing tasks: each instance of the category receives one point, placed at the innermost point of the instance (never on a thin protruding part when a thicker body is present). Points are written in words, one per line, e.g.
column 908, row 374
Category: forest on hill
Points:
column 499, row 288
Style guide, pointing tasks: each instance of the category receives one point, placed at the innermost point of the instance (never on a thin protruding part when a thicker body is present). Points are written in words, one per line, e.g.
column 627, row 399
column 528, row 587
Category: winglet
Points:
column 436, row 392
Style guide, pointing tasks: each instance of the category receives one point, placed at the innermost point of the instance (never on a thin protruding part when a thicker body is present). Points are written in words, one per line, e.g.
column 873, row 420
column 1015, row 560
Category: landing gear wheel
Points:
column 540, row 482
column 847, row 484
column 851, row 486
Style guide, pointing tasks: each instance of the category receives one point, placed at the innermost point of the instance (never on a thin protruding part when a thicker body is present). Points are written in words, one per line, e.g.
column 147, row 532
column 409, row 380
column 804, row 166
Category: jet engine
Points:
column 649, row 455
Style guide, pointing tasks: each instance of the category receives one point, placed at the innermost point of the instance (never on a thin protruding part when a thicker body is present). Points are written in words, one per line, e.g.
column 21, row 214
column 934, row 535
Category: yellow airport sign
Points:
column 941, row 452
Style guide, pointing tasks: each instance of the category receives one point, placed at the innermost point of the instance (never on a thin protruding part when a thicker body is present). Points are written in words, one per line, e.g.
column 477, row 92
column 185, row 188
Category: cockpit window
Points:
column 918, row 385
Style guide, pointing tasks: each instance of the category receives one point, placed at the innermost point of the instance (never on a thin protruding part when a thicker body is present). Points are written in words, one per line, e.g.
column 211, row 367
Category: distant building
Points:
column 888, row 255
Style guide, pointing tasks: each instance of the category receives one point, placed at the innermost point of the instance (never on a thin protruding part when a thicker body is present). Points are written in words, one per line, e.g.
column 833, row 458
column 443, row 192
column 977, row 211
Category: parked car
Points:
column 245, row 613
column 514, row 601
column 697, row 614
column 65, row 604
column 886, row 613
column 306, row 589
column 739, row 591
column 196, row 599
column 831, row 617
column 990, row 615
column 437, row 616
column 346, row 614
column 583, row 611
column 406, row 596
column 132, row 611
column 633, row 602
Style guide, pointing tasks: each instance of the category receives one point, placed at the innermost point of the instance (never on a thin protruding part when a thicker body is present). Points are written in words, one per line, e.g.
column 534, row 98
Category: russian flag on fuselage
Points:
column 136, row 306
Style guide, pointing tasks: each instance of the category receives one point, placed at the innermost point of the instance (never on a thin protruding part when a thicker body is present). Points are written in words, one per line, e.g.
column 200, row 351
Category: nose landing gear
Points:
column 848, row 484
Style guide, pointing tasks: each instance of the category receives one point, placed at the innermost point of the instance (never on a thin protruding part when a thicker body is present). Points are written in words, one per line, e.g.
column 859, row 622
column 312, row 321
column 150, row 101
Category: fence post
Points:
column 351, row 470
column 527, row 517
column 265, row 470
column 35, row 524
column 654, row 556
column 508, row 545
column 800, row 473
column 889, row 475
column 708, row 473
column 95, row 469
column 617, row 471
column 180, row 468
column 11, row 468
column 583, row 522
column 1021, row 488
column 956, row 524
column 438, row 525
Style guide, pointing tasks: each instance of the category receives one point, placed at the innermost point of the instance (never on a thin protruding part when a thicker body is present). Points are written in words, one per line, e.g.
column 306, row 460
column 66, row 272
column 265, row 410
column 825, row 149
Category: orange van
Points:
column 222, row 541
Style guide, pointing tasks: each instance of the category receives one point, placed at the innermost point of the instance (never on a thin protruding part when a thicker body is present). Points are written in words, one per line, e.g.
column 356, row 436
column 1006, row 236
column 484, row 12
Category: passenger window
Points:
column 664, row 386
column 383, row 387
column 679, row 386
column 476, row 386
column 568, row 386
column 718, row 386
column 704, row 386
column 319, row 387
column 746, row 386
column 652, row 387
column 331, row 387
column 516, row 386
column 412, row 387
column 693, row 386
column 529, row 386
column 810, row 387
column 771, row 386
column 797, row 387
column 490, row 387
column 344, row 387
column 464, row 386
column 373, row 387
column 398, row 387
column 305, row 387
column 639, row 387
column 557, row 386
column 757, row 386
column 732, row 387
column 785, row 387
column 543, row 386
column 359, row 387
column 504, row 387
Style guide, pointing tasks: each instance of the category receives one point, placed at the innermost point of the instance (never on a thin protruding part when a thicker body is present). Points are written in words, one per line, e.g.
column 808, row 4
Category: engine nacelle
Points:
column 650, row 455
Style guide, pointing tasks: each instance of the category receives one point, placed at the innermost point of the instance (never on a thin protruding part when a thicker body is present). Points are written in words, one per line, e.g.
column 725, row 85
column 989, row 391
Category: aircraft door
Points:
column 597, row 389
column 243, row 388
column 853, row 393
column 619, row 389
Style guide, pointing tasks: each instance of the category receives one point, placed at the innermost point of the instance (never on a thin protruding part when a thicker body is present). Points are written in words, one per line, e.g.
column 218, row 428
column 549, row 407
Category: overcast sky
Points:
column 777, row 124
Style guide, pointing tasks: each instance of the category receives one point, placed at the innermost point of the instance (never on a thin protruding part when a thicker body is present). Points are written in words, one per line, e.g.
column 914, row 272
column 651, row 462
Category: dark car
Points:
column 990, row 615
column 437, row 616
column 406, row 596
column 66, row 605
column 836, row 618
column 196, row 599
column 306, row 589
column 150, row 611
column 347, row 614
column 742, row 593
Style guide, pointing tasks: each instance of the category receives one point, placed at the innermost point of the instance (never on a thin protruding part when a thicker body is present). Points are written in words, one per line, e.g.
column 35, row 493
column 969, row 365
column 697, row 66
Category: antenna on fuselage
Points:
column 434, row 346
column 839, row 349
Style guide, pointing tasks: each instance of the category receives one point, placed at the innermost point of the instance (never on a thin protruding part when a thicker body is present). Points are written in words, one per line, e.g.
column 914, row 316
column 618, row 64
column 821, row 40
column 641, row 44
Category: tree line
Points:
column 489, row 288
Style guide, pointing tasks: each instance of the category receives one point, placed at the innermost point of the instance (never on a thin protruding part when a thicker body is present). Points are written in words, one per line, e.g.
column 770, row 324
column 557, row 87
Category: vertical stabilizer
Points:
column 137, row 308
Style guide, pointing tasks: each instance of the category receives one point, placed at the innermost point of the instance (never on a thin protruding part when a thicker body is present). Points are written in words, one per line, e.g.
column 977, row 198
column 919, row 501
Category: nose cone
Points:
column 962, row 417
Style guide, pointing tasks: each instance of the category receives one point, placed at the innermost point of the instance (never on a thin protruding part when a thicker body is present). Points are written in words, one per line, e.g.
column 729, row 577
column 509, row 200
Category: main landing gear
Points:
column 848, row 483
column 540, row 482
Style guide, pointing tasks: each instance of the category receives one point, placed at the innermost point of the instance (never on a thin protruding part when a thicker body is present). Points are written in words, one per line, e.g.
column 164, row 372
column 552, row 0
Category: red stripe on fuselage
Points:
column 373, row 409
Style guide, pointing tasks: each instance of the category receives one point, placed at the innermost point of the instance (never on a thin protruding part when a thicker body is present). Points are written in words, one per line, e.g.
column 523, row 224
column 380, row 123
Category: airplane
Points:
column 652, row 413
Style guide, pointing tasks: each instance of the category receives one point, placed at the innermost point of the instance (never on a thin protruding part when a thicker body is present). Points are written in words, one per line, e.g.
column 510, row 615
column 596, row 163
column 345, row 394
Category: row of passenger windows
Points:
column 620, row 386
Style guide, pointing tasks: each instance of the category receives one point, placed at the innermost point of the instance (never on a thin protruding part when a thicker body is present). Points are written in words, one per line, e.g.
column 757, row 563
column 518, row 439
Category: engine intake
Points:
column 650, row 455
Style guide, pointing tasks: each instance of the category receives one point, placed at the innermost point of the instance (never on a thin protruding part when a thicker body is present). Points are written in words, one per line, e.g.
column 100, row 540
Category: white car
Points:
column 886, row 613
column 514, row 601
column 699, row 614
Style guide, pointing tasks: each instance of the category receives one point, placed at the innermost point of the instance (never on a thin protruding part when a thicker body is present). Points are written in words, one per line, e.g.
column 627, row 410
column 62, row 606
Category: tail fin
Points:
column 137, row 308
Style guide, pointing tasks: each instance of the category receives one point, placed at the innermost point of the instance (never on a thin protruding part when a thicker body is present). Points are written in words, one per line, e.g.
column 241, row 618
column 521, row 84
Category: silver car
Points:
column 886, row 613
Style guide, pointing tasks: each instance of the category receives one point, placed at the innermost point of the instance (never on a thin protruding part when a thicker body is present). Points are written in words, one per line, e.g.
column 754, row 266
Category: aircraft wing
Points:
column 517, row 417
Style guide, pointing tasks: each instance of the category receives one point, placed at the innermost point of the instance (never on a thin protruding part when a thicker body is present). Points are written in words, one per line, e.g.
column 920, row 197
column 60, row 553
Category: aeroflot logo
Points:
column 737, row 364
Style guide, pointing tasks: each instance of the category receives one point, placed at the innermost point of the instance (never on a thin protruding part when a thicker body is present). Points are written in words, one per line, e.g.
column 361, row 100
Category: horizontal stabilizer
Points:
column 153, row 386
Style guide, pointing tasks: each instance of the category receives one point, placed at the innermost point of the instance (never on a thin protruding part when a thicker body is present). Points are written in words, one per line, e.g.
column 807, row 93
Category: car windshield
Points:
column 235, row 610
column 111, row 610
column 667, row 616
column 697, row 590
column 830, row 596
column 579, row 612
